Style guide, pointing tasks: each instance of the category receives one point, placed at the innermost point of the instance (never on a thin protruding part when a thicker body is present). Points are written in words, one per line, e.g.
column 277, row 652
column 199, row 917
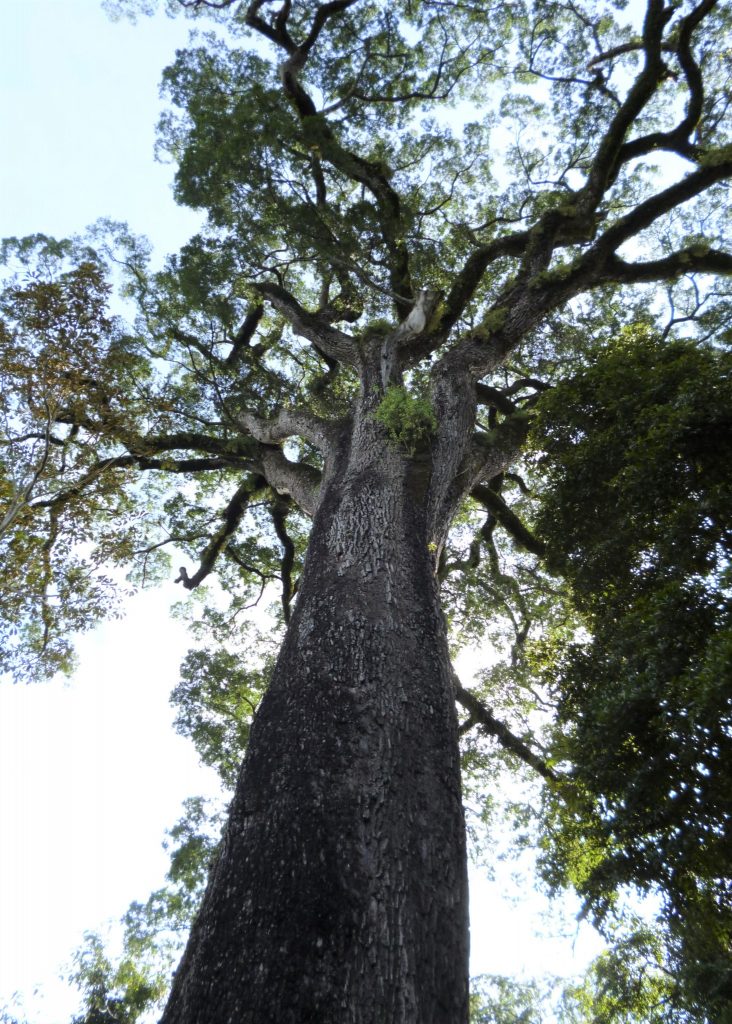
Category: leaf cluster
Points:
column 408, row 419
column 637, row 454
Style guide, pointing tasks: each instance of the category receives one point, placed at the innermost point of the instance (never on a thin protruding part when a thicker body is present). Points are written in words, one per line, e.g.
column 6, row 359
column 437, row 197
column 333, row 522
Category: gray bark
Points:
column 340, row 892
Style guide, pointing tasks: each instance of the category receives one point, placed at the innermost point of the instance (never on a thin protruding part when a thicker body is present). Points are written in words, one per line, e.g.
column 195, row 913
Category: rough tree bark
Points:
column 340, row 892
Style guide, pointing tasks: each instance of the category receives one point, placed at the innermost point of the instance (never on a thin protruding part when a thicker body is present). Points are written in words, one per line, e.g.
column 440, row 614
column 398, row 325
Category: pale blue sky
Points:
column 90, row 772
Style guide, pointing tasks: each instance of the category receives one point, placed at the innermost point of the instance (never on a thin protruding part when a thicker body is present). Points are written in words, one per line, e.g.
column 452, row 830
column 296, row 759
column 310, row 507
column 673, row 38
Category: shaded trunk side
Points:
column 340, row 893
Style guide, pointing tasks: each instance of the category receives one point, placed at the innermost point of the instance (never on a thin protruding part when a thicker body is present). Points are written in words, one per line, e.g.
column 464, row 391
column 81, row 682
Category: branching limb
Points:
column 483, row 716
column 495, row 397
column 319, row 135
column 461, row 461
column 316, row 329
column 687, row 261
column 508, row 519
column 232, row 516
column 605, row 165
column 289, row 423
column 495, row 452
column 467, row 281
column 242, row 338
column 298, row 479
column 646, row 213
column 413, row 327
column 678, row 139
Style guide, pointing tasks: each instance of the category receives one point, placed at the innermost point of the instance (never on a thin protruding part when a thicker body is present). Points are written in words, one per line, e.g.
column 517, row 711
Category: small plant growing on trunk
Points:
column 409, row 419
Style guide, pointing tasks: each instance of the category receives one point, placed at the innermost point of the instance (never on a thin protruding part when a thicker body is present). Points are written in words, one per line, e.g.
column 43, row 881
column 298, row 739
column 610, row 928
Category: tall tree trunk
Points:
column 340, row 893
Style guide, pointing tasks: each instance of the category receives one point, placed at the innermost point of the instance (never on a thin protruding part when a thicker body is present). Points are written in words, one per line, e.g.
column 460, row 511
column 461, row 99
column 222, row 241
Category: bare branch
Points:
column 232, row 516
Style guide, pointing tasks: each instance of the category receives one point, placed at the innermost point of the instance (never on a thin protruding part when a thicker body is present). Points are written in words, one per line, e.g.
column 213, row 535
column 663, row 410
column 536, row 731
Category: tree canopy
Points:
column 501, row 229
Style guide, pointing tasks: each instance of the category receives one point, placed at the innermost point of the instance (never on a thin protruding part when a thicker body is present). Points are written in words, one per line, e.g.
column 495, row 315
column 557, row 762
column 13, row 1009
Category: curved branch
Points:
column 289, row 423
column 232, row 515
column 487, row 395
column 243, row 336
column 298, row 479
column 677, row 140
column 605, row 165
column 508, row 519
column 643, row 215
column 693, row 260
column 469, row 278
column 494, row 452
column 316, row 329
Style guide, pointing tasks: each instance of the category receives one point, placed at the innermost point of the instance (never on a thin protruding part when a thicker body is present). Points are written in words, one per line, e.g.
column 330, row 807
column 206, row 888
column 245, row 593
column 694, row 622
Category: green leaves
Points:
column 129, row 986
column 63, row 361
column 636, row 515
column 409, row 420
column 216, row 700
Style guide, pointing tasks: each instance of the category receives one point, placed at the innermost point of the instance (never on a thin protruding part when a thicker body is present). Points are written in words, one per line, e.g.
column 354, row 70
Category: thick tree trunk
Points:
column 340, row 893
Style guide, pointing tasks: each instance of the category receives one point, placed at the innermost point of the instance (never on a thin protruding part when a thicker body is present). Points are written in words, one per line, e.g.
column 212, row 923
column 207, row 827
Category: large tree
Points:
column 435, row 237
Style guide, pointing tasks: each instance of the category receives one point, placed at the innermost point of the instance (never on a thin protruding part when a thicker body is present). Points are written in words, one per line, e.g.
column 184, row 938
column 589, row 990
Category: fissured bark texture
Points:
column 340, row 893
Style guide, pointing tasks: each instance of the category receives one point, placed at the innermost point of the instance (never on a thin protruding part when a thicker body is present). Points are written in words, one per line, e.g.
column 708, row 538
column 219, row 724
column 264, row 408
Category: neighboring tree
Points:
column 425, row 224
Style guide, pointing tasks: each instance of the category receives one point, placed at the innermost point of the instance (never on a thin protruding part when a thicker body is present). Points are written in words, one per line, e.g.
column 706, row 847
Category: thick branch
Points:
column 279, row 518
column 181, row 440
column 298, row 479
column 643, row 215
column 508, row 740
column 137, row 462
column 244, row 335
column 469, row 278
column 487, row 395
column 316, row 329
column 495, row 452
column 322, row 14
column 604, row 166
column 289, row 423
column 687, row 261
column 508, row 519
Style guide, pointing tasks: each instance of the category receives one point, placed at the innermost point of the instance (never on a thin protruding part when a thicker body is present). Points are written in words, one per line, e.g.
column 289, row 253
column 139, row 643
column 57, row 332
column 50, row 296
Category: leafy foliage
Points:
column 216, row 699
column 350, row 157
column 408, row 419
column 128, row 987
column 500, row 1000
column 636, row 514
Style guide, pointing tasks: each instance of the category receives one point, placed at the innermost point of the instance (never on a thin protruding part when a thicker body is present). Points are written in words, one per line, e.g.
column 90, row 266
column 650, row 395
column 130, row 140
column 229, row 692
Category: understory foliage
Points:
column 517, row 212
